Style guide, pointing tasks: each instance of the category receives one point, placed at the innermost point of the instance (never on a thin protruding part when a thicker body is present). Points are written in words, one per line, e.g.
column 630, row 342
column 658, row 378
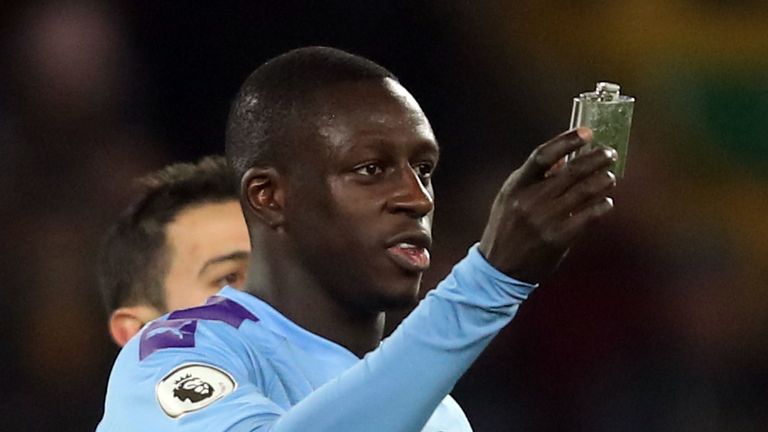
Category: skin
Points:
column 208, row 248
column 361, row 178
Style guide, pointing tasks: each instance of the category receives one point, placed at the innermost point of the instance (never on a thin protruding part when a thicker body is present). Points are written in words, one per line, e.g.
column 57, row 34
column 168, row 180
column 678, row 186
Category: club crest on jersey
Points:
column 191, row 387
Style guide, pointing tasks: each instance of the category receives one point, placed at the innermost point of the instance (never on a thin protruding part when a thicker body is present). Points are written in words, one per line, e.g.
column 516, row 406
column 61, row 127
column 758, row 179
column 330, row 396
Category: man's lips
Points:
column 411, row 251
column 410, row 257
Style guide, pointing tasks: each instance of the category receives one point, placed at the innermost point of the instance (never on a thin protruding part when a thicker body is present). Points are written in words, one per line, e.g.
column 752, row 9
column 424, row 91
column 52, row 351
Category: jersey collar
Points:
column 275, row 321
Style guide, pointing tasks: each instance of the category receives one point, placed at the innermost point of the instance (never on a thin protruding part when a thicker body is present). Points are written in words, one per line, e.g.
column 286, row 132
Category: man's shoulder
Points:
column 184, row 362
column 217, row 323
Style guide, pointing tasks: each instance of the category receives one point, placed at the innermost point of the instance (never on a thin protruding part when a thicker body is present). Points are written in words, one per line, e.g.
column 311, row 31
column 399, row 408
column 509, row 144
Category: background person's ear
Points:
column 125, row 322
column 263, row 195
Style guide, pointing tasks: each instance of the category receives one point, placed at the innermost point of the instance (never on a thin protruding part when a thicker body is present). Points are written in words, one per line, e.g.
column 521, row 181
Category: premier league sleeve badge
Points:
column 192, row 387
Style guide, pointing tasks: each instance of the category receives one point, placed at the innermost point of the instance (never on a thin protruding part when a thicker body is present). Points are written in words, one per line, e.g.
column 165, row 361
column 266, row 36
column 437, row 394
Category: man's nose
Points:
column 411, row 195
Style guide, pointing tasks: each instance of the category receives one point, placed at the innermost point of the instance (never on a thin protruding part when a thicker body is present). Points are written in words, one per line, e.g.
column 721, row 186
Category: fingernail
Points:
column 611, row 153
column 584, row 133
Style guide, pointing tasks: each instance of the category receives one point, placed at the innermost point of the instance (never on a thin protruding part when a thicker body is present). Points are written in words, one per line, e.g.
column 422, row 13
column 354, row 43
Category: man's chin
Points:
column 403, row 298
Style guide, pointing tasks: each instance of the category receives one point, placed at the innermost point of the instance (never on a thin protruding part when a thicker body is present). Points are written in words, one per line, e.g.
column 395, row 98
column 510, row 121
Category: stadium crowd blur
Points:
column 657, row 322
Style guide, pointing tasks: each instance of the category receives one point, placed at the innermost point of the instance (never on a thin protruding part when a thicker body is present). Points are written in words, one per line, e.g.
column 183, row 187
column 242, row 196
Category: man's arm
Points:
column 398, row 386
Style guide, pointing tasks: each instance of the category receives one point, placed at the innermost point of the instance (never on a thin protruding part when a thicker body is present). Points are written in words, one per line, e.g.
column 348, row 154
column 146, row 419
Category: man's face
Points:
column 361, row 212
column 208, row 247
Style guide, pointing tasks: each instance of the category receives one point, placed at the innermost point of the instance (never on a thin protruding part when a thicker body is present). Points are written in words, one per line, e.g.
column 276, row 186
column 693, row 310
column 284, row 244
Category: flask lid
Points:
column 607, row 91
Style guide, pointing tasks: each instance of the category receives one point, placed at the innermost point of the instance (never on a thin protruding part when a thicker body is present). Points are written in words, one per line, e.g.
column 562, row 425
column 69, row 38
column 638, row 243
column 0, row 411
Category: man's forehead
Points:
column 379, row 106
column 400, row 92
column 207, row 228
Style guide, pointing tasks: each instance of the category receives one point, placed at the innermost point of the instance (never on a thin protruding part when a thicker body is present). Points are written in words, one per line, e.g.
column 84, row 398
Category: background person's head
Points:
column 179, row 243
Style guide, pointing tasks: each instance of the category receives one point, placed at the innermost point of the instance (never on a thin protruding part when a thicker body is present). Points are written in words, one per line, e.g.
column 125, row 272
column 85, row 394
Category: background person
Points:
column 181, row 241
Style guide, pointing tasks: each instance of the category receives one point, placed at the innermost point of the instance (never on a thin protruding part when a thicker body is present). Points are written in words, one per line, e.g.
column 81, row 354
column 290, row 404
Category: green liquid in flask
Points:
column 609, row 115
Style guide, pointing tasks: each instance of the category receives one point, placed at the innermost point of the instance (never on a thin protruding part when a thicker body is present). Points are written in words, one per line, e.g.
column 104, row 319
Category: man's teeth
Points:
column 406, row 246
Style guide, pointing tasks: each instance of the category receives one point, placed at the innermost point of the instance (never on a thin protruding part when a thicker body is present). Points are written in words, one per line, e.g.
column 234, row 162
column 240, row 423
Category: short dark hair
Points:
column 278, row 94
column 134, row 258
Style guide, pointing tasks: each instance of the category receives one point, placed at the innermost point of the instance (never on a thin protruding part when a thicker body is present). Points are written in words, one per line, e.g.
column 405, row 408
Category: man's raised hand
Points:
column 544, row 206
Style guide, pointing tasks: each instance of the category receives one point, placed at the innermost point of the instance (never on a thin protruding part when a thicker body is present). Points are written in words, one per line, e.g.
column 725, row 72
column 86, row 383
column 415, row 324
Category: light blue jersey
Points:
column 236, row 364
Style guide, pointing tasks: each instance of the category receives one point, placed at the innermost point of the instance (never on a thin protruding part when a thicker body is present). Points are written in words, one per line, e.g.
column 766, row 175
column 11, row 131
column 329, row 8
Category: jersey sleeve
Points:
column 208, row 388
column 394, row 388
column 397, row 386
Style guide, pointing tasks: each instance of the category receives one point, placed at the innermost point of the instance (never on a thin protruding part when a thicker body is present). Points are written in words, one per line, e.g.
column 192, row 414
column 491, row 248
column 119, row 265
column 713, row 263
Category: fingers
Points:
column 579, row 193
column 576, row 224
column 548, row 154
column 576, row 173
column 592, row 189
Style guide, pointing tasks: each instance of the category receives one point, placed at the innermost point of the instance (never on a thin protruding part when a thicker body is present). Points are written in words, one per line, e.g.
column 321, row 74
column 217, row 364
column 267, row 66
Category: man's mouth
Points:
column 409, row 256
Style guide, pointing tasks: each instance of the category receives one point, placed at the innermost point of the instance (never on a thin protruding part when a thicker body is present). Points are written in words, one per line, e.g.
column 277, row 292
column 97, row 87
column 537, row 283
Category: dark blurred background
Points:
column 656, row 322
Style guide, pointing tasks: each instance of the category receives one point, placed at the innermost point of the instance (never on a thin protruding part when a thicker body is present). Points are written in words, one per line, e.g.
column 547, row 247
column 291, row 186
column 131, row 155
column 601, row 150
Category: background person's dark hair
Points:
column 278, row 94
column 134, row 256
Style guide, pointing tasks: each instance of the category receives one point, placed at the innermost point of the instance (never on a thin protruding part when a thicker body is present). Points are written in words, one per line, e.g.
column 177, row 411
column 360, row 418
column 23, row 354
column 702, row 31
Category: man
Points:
column 178, row 244
column 335, row 159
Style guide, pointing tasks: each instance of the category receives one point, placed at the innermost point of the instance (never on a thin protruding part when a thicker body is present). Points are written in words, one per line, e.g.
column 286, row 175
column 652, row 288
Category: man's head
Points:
column 179, row 243
column 335, row 159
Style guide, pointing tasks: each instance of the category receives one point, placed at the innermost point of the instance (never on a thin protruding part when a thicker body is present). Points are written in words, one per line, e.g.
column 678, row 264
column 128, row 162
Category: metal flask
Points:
column 609, row 115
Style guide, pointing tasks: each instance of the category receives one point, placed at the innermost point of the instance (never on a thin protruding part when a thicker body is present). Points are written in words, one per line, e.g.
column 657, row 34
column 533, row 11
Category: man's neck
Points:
column 275, row 279
column 360, row 334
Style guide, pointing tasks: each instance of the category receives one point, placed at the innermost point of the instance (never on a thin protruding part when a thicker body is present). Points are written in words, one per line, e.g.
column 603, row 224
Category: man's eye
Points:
column 424, row 169
column 369, row 169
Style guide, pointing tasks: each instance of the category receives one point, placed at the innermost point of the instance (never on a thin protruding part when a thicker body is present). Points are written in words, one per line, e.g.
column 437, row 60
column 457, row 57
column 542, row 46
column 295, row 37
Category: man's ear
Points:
column 264, row 195
column 125, row 322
